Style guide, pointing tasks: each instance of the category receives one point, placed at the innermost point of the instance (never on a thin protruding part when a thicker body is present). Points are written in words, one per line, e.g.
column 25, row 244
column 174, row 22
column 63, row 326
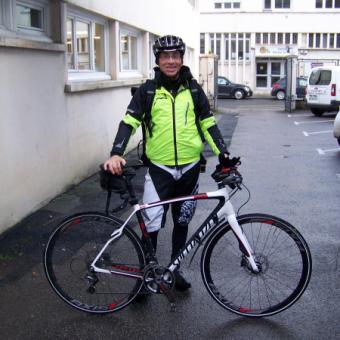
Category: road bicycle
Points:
column 254, row 265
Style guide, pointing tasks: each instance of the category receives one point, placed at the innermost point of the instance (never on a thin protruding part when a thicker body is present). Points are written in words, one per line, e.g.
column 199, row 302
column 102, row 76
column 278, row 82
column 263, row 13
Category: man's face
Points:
column 170, row 63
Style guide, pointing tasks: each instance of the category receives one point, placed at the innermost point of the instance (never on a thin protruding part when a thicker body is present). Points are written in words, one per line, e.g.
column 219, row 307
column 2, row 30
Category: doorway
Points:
column 268, row 72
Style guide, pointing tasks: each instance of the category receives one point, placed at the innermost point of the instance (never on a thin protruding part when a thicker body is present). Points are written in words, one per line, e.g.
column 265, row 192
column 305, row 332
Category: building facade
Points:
column 253, row 38
column 66, row 69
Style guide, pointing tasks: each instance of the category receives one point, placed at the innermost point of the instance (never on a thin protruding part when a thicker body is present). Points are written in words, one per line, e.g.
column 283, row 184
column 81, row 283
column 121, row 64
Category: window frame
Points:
column 269, row 5
column 8, row 20
column 77, row 74
column 130, row 31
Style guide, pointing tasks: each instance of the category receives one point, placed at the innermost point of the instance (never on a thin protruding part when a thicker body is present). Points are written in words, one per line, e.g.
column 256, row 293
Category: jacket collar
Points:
column 184, row 76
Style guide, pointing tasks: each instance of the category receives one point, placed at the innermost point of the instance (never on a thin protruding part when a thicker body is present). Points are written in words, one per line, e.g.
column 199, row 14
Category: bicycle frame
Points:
column 223, row 211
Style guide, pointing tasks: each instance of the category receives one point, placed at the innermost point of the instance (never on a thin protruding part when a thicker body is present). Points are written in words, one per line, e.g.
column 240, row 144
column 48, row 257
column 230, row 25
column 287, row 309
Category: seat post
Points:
column 108, row 199
column 131, row 190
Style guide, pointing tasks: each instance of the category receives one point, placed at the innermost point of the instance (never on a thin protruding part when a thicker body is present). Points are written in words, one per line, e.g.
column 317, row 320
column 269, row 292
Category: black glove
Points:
column 226, row 162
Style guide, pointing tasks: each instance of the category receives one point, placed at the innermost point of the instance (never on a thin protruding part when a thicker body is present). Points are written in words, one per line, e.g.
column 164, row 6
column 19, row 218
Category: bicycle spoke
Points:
column 284, row 264
column 69, row 256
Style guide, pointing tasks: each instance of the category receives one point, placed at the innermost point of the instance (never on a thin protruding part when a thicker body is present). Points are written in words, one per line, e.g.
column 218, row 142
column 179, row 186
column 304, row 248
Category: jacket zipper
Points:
column 174, row 132
column 186, row 114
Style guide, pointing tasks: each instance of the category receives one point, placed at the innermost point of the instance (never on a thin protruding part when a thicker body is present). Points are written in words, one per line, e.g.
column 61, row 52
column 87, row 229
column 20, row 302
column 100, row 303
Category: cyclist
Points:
column 173, row 142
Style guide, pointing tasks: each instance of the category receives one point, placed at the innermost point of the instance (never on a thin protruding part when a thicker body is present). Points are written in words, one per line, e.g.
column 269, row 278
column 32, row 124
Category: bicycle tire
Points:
column 71, row 249
column 285, row 261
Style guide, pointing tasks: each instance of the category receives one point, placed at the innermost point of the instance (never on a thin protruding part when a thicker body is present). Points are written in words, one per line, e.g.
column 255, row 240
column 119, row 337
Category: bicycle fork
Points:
column 228, row 211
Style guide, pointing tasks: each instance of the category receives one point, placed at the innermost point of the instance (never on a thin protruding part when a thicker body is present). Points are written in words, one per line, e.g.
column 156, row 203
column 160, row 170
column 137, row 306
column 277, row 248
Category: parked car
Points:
column 228, row 89
column 336, row 129
column 279, row 88
column 323, row 89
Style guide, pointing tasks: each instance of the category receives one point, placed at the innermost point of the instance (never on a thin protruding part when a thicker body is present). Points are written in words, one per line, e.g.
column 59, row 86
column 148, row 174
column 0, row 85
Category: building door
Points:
column 276, row 71
column 268, row 72
column 261, row 74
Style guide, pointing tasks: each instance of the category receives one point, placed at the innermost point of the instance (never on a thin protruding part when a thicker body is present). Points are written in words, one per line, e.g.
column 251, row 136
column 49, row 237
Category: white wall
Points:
column 48, row 140
column 51, row 139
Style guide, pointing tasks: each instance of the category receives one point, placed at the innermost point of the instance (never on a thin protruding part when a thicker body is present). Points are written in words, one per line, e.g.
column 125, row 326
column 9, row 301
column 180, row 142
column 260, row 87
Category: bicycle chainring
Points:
column 158, row 279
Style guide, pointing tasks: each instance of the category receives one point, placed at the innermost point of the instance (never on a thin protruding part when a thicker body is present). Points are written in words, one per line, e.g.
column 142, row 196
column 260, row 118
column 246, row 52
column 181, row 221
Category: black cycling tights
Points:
column 179, row 237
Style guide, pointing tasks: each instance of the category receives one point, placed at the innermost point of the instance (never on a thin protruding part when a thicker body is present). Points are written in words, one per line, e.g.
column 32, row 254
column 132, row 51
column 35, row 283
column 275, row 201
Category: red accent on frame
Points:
column 77, row 221
column 126, row 268
column 269, row 222
column 200, row 196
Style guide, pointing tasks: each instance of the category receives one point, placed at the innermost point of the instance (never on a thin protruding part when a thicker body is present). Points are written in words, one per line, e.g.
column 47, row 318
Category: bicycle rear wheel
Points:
column 282, row 254
column 72, row 248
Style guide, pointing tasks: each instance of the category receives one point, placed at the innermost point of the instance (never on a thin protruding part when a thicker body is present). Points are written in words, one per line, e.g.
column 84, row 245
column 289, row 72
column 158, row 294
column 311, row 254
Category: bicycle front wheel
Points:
column 282, row 255
column 70, row 252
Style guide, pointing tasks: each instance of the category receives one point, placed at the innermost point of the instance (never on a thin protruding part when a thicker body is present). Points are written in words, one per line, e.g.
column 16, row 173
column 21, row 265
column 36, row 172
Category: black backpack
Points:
column 146, row 123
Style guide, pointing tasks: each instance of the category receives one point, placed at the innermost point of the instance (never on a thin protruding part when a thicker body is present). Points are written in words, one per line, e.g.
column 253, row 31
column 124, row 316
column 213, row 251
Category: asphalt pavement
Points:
column 29, row 309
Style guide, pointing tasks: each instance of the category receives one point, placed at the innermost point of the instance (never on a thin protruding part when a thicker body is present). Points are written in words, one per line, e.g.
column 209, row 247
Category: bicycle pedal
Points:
column 172, row 307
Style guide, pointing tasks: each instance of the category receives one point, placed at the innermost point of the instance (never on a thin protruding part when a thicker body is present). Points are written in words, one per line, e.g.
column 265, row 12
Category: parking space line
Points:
column 313, row 122
column 290, row 115
column 316, row 132
column 324, row 151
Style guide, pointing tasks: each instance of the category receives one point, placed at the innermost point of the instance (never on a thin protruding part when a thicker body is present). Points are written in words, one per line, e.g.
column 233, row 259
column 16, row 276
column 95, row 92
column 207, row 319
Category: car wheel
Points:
column 280, row 95
column 238, row 94
column 317, row 112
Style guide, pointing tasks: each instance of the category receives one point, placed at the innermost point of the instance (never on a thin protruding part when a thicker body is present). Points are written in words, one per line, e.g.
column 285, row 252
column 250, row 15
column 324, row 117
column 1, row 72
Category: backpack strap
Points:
column 150, row 90
column 193, row 86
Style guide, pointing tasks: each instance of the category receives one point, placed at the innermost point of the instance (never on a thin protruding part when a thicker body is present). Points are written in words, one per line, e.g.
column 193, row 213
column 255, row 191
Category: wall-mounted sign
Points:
column 275, row 51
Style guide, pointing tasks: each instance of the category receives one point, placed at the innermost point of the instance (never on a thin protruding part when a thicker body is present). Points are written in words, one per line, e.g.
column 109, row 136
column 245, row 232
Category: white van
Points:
column 323, row 89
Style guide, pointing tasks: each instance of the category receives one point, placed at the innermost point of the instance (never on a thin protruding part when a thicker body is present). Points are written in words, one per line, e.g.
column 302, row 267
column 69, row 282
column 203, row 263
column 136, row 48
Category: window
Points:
column 233, row 46
column 318, row 4
column 324, row 40
column 218, row 45
column 227, row 5
column 202, row 43
column 258, row 38
column 280, row 38
column 329, row 4
column 86, row 47
column 287, row 36
column 317, row 40
column 272, row 38
column 27, row 18
column 128, row 52
column 320, row 77
column 265, row 38
column 311, row 40
column 212, row 42
column 218, row 5
column 152, row 39
column 267, row 4
column 295, row 38
column 240, row 51
column 227, row 49
column 282, row 3
column 236, row 5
